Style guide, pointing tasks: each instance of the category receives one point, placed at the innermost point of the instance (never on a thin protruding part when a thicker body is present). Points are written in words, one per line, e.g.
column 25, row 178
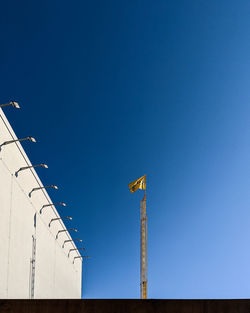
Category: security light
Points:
column 32, row 139
column 60, row 218
column 12, row 103
column 75, row 250
column 65, row 241
column 31, row 166
column 81, row 257
column 63, row 230
column 43, row 187
column 50, row 204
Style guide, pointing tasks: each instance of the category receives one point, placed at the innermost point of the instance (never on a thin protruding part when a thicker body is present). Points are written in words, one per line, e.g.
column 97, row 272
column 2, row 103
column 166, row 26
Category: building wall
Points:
column 25, row 234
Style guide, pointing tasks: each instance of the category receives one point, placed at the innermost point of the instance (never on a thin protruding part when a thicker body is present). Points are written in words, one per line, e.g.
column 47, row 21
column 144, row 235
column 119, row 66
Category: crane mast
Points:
column 143, row 250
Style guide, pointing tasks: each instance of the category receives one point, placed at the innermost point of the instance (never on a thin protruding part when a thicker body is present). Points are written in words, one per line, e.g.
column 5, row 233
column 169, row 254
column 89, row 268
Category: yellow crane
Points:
column 140, row 183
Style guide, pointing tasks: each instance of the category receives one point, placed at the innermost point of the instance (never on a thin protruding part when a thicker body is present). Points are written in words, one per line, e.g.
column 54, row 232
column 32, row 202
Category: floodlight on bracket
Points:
column 64, row 230
column 60, row 218
column 65, row 241
column 31, row 166
column 52, row 204
column 32, row 139
column 81, row 257
column 43, row 187
column 70, row 250
column 14, row 104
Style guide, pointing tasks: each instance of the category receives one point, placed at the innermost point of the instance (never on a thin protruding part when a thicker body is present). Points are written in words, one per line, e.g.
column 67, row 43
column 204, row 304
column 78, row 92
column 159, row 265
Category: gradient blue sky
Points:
column 113, row 90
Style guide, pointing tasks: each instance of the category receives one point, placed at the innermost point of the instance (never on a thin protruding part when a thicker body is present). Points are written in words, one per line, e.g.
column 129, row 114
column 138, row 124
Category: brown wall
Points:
column 124, row 306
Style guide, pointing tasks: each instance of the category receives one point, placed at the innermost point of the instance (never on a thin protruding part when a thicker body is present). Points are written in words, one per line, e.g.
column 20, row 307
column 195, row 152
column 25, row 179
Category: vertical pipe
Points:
column 143, row 249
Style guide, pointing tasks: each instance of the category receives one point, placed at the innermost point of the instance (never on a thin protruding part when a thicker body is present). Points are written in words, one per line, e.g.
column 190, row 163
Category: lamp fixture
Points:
column 75, row 250
column 43, row 187
column 11, row 103
column 50, row 204
column 63, row 230
column 60, row 218
column 81, row 257
column 31, row 166
column 65, row 241
column 32, row 139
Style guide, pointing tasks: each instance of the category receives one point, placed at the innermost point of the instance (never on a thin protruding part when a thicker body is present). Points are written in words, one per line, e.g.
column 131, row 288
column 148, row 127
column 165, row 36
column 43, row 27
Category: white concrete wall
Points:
column 55, row 274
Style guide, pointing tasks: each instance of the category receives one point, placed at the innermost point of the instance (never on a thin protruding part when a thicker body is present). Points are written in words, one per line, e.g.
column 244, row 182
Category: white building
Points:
column 33, row 263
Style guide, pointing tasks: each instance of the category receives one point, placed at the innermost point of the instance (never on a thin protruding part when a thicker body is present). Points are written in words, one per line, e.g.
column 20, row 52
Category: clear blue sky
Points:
column 113, row 90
